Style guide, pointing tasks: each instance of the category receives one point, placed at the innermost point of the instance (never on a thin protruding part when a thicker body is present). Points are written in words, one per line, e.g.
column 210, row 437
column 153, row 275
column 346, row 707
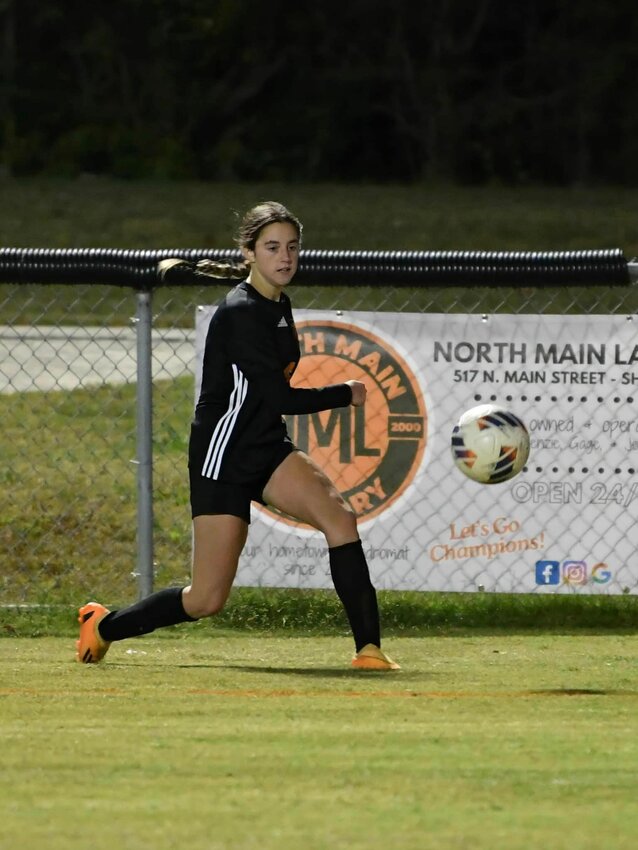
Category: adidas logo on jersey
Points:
column 282, row 323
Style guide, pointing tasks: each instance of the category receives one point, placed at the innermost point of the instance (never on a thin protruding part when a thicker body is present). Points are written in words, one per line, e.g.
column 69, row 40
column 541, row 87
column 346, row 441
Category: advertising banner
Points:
column 567, row 523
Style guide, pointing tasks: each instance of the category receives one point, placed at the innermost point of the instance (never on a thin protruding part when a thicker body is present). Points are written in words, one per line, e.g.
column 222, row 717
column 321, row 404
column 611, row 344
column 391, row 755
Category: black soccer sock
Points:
column 160, row 609
column 351, row 578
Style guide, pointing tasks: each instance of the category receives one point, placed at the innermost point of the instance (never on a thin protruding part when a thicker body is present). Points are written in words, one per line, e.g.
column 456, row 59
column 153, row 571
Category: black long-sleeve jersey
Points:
column 251, row 353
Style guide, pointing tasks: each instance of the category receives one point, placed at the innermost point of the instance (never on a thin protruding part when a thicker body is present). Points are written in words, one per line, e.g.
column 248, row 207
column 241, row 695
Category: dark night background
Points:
column 472, row 92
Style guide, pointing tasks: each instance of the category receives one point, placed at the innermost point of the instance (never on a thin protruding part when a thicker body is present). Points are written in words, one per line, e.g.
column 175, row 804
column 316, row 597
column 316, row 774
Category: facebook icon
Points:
column 547, row 572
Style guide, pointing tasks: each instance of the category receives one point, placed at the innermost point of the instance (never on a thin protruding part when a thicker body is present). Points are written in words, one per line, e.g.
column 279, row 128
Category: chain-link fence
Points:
column 70, row 372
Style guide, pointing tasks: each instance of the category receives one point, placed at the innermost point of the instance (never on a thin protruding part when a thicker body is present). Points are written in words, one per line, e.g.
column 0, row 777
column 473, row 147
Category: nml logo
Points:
column 571, row 572
column 372, row 452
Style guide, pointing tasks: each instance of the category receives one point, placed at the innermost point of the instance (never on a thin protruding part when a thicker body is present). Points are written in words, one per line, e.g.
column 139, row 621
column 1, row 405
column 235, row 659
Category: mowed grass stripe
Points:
column 278, row 694
column 271, row 742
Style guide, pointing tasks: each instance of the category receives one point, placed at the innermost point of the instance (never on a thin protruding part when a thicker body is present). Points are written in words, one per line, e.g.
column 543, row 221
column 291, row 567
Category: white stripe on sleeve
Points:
column 224, row 427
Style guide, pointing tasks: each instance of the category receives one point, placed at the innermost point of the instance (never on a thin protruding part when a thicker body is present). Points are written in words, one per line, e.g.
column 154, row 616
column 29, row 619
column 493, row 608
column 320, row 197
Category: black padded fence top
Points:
column 138, row 268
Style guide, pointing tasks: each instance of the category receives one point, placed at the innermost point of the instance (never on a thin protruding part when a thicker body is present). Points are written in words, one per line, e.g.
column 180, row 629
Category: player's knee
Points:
column 348, row 517
column 341, row 525
column 206, row 605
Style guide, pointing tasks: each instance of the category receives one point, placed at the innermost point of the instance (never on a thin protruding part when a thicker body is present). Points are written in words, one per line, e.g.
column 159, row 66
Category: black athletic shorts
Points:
column 210, row 496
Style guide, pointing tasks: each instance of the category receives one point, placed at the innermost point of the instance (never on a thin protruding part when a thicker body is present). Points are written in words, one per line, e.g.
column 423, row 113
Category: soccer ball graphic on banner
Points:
column 490, row 444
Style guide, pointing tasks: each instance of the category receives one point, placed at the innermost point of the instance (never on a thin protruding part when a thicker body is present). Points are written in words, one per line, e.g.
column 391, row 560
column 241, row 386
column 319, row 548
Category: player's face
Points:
column 273, row 262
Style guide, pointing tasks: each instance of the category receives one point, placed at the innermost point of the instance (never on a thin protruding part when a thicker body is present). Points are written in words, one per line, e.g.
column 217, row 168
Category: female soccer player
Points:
column 240, row 451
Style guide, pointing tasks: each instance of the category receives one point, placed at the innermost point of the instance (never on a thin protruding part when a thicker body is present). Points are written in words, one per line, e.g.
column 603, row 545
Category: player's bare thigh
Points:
column 218, row 541
column 301, row 489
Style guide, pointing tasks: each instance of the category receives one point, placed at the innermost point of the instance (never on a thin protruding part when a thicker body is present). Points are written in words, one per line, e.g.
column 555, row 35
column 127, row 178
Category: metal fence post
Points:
column 144, row 444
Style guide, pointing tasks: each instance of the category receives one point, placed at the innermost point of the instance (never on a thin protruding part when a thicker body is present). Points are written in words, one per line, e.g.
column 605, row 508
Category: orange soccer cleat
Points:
column 373, row 658
column 91, row 648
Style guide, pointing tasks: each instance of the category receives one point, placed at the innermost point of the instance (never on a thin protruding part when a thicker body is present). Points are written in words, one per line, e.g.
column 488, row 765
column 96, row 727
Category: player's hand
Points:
column 358, row 392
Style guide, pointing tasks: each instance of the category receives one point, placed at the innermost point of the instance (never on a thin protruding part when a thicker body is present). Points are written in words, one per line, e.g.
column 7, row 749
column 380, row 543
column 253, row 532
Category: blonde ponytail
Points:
column 177, row 270
column 223, row 269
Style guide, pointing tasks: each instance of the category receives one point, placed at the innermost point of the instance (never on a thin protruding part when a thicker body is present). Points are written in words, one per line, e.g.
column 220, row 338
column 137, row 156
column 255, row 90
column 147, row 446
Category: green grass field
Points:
column 513, row 723
column 101, row 212
column 228, row 740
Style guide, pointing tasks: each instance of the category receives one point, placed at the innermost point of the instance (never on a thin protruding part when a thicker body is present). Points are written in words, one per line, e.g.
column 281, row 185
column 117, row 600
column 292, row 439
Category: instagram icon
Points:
column 574, row 572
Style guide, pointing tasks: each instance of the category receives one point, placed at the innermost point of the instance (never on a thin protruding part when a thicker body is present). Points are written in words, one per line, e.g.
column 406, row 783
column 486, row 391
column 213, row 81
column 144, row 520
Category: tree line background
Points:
column 472, row 91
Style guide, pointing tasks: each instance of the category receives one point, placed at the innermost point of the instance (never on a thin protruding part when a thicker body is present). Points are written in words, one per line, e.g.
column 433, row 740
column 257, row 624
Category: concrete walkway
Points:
column 42, row 358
